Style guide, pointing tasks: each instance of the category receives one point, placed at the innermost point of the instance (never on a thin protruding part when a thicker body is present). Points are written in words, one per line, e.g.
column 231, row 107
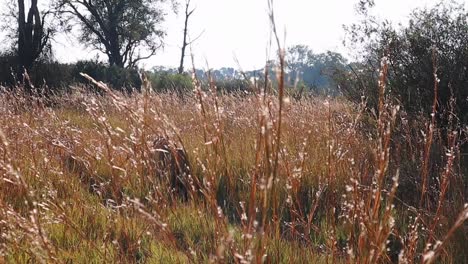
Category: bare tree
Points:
column 185, row 43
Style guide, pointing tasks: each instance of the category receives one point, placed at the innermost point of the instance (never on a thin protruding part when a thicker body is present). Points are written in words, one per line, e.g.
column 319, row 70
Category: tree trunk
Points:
column 184, row 46
column 115, row 56
column 184, row 43
column 31, row 39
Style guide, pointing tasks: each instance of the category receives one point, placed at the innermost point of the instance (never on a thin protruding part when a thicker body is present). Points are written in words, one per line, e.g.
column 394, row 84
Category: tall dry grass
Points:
column 273, row 180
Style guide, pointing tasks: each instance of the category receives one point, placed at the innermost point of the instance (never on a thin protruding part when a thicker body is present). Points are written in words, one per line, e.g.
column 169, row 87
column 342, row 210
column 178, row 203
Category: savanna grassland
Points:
column 272, row 179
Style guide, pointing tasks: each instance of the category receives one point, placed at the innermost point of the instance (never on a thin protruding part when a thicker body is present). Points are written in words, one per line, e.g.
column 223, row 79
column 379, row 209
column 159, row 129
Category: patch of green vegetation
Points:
column 194, row 230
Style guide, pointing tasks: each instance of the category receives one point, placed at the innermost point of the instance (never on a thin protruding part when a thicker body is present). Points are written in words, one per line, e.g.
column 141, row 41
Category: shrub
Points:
column 51, row 74
column 165, row 81
column 434, row 43
column 8, row 66
column 122, row 79
column 232, row 85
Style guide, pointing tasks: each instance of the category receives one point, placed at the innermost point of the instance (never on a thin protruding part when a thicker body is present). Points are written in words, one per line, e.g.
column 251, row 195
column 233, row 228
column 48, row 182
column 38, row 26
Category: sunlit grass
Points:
column 79, row 185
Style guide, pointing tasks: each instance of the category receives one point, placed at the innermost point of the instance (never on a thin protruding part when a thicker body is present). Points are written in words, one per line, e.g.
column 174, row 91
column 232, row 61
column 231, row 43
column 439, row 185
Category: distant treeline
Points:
column 316, row 76
column 427, row 67
column 55, row 76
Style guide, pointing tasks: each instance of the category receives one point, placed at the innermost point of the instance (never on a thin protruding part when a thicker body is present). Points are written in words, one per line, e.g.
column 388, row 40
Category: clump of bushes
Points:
column 165, row 81
column 431, row 50
column 126, row 80
column 233, row 85
column 55, row 76
column 45, row 73
column 8, row 62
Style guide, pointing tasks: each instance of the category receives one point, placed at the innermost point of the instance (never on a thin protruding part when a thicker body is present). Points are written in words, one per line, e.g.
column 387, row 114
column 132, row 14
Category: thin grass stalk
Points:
column 444, row 183
column 432, row 252
column 430, row 135
column 281, row 76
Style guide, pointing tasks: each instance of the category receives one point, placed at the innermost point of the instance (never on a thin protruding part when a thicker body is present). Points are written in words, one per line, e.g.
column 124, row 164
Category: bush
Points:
column 53, row 75
column 122, row 79
column 165, row 81
column 8, row 67
column 233, row 85
column 436, row 38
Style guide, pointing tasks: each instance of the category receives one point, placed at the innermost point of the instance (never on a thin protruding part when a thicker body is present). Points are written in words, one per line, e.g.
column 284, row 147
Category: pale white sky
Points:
column 240, row 28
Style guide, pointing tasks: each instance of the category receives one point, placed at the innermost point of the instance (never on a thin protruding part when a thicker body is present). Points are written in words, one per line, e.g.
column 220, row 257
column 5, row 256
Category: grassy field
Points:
column 272, row 179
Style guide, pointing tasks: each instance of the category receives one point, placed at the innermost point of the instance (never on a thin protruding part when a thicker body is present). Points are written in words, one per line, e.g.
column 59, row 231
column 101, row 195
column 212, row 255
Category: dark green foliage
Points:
column 126, row 80
column 57, row 77
column 166, row 81
column 233, row 85
column 53, row 75
column 8, row 68
column 436, row 37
